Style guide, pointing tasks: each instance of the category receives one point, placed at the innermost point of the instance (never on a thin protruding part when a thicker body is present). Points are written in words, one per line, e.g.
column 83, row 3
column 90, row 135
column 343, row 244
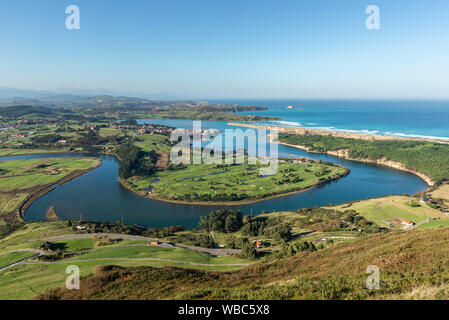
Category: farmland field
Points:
column 9, row 258
column 21, row 178
column 442, row 192
column 17, row 152
column 433, row 224
column 153, row 141
column 388, row 208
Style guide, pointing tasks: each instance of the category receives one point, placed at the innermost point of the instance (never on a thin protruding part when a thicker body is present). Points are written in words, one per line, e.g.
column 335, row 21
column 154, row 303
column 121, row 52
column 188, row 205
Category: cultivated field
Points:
column 441, row 192
column 393, row 207
column 21, row 178
column 26, row 281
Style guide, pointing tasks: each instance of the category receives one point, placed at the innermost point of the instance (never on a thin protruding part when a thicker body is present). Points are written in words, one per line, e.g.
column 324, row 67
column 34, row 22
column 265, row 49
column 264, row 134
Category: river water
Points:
column 97, row 196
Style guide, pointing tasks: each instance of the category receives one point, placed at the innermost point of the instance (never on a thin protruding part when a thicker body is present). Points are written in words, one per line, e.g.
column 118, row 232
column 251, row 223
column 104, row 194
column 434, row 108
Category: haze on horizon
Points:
column 229, row 49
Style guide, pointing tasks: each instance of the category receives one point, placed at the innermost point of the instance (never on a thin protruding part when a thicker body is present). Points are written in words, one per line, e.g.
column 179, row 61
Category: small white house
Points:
column 407, row 223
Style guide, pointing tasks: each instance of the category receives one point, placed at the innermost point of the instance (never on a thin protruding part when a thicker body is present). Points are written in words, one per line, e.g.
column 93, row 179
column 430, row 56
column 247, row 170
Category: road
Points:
column 139, row 259
column 163, row 244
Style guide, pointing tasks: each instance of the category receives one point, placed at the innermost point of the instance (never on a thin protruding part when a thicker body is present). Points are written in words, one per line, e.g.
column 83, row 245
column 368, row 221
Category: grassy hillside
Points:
column 337, row 272
column 382, row 210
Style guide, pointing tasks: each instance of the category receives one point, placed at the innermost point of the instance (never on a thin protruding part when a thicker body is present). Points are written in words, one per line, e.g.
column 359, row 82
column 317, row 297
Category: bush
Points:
column 224, row 220
column 248, row 251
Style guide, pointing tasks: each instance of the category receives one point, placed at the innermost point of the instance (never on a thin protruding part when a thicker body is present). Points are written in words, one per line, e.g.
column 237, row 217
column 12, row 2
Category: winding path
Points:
column 163, row 244
column 36, row 252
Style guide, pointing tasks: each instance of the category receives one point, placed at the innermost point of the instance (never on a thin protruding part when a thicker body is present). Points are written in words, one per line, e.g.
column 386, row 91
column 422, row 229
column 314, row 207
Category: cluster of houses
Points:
column 164, row 130
column 155, row 130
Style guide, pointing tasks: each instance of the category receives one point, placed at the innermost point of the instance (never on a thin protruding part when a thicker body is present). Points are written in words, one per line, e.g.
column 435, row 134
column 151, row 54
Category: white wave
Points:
column 410, row 135
column 363, row 131
column 289, row 123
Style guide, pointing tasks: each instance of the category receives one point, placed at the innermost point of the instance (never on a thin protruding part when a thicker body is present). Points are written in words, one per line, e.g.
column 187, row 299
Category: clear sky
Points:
column 229, row 48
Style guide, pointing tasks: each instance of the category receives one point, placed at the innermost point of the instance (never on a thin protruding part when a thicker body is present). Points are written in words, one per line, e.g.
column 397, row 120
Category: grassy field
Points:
column 441, row 192
column 433, row 224
column 91, row 243
column 10, row 201
column 18, row 152
column 9, row 258
column 146, row 251
column 233, row 182
column 388, row 208
column 31, row 235
column 25, row 174
column 150, row 142
column 26, row 281
column 109, row 132
column 338, row 272
column 201, row 115
column 20, row 178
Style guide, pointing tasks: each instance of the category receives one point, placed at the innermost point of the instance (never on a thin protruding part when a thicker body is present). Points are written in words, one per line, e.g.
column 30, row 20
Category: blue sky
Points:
column 229, row 49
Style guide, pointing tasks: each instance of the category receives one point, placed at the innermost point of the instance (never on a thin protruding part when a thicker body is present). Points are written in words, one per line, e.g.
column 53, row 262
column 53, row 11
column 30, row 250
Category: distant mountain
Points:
column 14, row 95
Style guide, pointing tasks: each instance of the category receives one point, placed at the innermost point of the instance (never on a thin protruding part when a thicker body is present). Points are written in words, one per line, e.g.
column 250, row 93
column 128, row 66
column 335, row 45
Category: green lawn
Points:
column 150, row 142
column 156, row 252
column 233, row 182
column 32, row 234
column 393, row 207
column 17, row 176
column 25, row 174
column 11, row 201
column 75, row 244
column 90, row 243
column 26, row 281
column 9, row 258
column 109, row 132
column 433, row 224
column 17, row 152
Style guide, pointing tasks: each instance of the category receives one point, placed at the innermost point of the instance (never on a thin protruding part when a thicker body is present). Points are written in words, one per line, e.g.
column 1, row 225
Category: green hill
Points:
column 412, row 264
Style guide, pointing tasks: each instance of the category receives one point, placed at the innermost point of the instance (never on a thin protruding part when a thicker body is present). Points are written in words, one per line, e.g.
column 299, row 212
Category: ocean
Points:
column 401, row 118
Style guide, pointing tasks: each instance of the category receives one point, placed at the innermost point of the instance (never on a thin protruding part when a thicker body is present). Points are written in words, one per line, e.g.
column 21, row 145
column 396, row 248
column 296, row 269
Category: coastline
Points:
column 337, row 134
column 232, row 203
column 48, row 188
column 344, row 153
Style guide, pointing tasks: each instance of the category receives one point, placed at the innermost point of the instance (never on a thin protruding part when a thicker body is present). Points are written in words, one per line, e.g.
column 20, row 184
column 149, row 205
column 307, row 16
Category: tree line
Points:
column 427, row 157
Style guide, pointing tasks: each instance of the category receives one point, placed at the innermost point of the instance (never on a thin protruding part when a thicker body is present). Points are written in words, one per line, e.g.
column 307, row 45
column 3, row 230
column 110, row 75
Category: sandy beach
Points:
column 339, row 134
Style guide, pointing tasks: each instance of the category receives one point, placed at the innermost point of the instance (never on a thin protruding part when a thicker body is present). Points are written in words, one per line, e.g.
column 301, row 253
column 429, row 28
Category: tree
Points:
column 223, row 220
column 205, row 241
column 129, row 156
column 282, row 233
column 248, row 250
column 233, row 223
